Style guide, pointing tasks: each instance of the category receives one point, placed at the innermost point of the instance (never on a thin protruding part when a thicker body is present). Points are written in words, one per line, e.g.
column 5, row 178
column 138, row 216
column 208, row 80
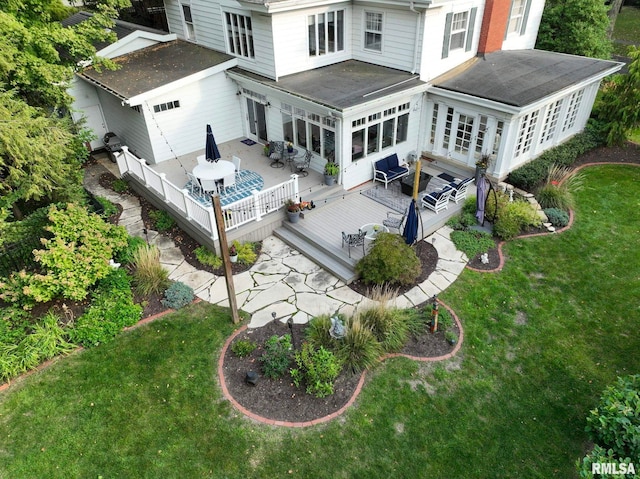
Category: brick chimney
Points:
column 494, row 25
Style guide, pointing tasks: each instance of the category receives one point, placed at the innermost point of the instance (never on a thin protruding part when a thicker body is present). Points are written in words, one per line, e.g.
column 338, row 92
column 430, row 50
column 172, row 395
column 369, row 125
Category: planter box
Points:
column 406, row 184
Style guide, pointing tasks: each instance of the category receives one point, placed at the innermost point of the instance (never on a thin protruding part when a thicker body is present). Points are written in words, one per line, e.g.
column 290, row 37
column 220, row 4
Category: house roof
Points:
column 341, row 85
column 154, row 66
column 121, row 28
column 521, row 77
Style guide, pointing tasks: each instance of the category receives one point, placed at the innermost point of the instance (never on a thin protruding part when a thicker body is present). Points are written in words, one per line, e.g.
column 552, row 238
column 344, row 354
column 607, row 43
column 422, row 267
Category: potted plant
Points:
column 331, row 170
column 266, row 149
column 293, row 210
column 289, row 147
column 482, row 165
column 233, row 254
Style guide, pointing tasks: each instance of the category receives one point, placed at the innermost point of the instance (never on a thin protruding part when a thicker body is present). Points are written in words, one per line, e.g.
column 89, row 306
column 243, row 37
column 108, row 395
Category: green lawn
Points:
column 542, row 339
column 627, row 29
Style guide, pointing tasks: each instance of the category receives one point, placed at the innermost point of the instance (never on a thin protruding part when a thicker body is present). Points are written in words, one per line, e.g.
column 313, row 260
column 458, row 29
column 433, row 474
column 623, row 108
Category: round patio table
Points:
column 371, row 230
column 214, row 171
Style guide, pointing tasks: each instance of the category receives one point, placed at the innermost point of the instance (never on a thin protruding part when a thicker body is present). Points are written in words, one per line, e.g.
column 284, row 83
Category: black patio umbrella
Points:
column 410, row 232
column 481, row 198
column 212, row 154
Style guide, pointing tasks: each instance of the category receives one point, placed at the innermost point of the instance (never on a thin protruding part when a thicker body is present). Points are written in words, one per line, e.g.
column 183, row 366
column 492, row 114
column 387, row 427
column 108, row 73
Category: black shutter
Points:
column 472, row 23
column 447, row 35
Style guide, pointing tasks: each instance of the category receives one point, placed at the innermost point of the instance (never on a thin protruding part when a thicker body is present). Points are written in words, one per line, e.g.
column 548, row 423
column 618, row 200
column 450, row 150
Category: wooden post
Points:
column 226, row 262
column 416, row 180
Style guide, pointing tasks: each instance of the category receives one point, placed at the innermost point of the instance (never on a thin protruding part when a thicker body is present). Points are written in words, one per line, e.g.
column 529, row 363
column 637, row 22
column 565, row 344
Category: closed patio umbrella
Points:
column 481, row 198
column 410, row 232
column 212, row 154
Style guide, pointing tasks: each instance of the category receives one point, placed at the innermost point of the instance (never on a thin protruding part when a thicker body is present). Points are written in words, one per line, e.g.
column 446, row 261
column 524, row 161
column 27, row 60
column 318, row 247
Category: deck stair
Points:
column 332, row 259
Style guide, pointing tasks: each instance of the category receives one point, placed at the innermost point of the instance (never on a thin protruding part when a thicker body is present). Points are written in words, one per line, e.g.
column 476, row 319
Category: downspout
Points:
column 415, row 51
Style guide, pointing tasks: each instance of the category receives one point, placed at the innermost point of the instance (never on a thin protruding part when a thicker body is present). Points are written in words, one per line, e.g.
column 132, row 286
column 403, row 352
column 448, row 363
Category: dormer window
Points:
column 189, row 31
column 326, row 33
column 239, row 35
column 458, row 31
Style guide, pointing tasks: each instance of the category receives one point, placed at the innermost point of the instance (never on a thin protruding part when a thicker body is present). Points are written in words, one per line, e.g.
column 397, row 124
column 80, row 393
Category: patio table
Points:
column 371, row 230
column 214, row 171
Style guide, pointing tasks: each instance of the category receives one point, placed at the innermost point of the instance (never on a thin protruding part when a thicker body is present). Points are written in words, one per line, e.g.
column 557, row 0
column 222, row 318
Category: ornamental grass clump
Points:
column 359, row 349
column 558, row 189
column 390, row 260
column 317, row 332
column 149, row 276
column 388, row 325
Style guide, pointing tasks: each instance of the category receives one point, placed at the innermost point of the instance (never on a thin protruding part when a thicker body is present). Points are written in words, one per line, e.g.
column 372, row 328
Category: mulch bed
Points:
column 280, row 399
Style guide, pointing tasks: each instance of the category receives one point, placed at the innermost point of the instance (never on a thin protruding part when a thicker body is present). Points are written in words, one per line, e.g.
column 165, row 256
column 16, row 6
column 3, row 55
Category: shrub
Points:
column 206, row 256
column 317, row 368
column 359, row 349
column 445, row 321
column 162, row 221
column 513, row 218
column 120, row 186
column 243, row 347
column 126, row 255
column 149, row 275
column 389, row 260
column 557, row 217
column 246, row 252
column 14, row 324
column 73, row 259
column 277, row 356
column 614, row 426
column 528, row 177
column 108, row 208
column 317, row 332
column 177, row 295
column 472, row 242
column 111, row 309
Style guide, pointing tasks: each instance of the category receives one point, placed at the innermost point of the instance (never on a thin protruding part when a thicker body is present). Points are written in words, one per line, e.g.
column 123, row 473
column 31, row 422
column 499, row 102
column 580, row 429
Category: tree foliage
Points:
column 578, row 27
column 617, row 109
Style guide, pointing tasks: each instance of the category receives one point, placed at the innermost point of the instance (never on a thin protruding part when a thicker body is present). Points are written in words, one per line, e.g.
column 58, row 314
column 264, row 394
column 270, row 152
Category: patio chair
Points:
column 229, row 181
column 209, row 186
column 355, row 239
column 394, row 220
column 195, row 188
column 460, row 188
column 201, row 159
column 301, row 164
column 236, row 163
column 437, row 200
column 276, row 153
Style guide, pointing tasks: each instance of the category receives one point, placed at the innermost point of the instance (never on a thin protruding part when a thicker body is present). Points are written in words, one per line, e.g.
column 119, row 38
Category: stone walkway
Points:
column 282, row 281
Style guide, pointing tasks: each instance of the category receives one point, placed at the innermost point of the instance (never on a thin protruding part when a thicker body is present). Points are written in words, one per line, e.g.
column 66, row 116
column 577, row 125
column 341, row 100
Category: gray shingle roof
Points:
column 152, row 67
column 342, row 85
column 521, row 77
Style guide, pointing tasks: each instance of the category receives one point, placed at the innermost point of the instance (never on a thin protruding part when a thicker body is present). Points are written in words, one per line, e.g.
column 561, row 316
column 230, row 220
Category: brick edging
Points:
column 356, row 392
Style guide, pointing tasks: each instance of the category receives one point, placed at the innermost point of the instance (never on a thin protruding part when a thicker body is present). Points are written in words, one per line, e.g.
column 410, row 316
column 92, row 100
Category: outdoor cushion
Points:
column 392, row 161
column 382, row 165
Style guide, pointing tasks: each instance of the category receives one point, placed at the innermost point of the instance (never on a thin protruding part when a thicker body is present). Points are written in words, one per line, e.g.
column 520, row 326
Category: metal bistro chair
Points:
column 356, row 239
column 195, row 188
column 276, row 153
column 394, row 220
column 301, row 164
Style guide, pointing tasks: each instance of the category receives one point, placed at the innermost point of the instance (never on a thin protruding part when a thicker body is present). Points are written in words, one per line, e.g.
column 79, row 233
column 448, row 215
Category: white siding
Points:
column 174, row 17
column 515, row 41
column 290, row 41
column 127, row 123
column 398, row 37
column 432, row 62
column 181, row 131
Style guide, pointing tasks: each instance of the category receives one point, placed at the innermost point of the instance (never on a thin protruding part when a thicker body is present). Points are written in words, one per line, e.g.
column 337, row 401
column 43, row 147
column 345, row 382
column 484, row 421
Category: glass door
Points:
column 463, row 139
column 256, row 116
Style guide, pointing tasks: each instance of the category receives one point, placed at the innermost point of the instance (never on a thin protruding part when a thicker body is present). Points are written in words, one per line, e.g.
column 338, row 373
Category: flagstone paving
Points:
column 282, row 281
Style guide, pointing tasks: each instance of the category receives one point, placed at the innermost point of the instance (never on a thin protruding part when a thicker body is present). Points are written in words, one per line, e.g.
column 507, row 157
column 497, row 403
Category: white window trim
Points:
column 189, row 34
column 326, row 33
column 250, row 43
column 380, row 32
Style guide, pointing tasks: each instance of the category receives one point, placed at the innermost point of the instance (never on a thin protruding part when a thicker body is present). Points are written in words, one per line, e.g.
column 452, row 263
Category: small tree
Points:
column 578, row 27
column 390, row 260
column 618, row 108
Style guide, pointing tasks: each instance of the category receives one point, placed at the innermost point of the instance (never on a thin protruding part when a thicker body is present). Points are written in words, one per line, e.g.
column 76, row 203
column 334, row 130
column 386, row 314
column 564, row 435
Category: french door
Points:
column 257, row 119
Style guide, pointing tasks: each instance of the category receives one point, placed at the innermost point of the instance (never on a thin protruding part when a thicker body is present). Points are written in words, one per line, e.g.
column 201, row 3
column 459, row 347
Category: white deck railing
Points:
column 246, row 210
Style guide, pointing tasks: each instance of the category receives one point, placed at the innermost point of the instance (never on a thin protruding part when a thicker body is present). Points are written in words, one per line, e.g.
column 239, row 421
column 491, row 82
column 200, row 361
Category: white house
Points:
column 353, row 81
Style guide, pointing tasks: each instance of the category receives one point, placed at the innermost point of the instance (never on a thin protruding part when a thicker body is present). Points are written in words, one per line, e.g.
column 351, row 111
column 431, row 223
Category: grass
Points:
column 542, row 340
column 627, row 29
